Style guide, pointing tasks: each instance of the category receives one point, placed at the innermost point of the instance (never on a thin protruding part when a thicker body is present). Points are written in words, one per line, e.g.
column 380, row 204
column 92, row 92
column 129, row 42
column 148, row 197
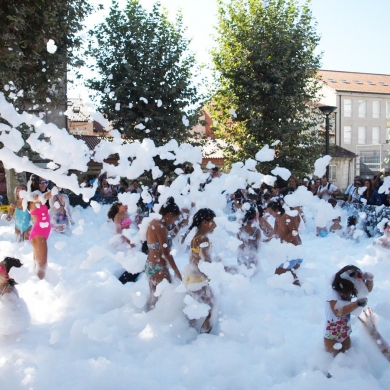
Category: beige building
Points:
column 80, row 121
column 361, row 122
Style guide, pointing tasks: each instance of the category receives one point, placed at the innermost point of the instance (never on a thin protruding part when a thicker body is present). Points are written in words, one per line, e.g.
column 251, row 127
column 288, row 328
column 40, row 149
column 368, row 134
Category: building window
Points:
column 376, row 135
column 347, row 108
column 362, row 135
column 332, row 173
column 347, row 135
column 387, row 109
column 362, row 108
column 376, row 109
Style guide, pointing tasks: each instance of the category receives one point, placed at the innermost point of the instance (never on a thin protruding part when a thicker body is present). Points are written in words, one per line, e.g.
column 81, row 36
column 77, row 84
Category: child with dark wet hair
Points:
column 348, row 283
column 196, row 282
column 351, row 227
column 286, row 229
column 250, row 236
column 385, row 239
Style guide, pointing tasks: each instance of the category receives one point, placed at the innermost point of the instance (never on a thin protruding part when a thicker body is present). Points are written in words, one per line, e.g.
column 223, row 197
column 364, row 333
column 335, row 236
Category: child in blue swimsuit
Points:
column 22, row 217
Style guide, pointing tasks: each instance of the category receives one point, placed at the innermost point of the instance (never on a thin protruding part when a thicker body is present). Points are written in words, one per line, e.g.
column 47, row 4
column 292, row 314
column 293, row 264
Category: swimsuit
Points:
column 290, row 264
column 336, row 328
column 196, row 250
column 126, row 223
column 22, row 220
column 42, row 225
column 152, row 268
column 60, row 218
column 156, row 246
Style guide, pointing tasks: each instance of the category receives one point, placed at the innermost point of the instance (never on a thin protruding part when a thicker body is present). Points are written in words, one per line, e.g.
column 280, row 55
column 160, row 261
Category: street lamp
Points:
column 327, row 110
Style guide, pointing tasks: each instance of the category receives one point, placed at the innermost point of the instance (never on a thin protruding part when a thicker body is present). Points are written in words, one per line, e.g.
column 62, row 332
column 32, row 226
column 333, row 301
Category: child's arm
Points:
column 204, row 246
column 8, row 217
column 349, row 308
column 67, row 208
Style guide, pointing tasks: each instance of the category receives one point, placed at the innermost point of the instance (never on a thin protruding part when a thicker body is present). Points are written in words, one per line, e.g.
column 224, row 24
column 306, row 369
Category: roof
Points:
column 338, row 151
column 98, row 128
column 91, row 140
column 76, row 111
column 356, row 82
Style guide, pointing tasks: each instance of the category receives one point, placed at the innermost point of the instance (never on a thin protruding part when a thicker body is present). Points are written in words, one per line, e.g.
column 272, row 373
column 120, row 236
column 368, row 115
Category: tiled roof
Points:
column 356, row 82
column 338, row 151
column 98, row 128
column 91, row 140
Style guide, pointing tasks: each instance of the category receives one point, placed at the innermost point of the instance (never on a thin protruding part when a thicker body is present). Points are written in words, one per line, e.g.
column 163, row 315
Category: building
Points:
column 362, row 120
column 80, row 121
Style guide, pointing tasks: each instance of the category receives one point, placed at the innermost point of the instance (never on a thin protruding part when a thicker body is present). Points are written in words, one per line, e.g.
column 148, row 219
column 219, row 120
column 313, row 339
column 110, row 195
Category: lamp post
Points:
column 327, row 110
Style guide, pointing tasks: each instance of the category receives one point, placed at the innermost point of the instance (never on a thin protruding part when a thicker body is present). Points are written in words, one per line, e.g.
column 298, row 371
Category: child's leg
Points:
column 205, row 295
column 329, row 344
column 154, row 280
column 39, row 245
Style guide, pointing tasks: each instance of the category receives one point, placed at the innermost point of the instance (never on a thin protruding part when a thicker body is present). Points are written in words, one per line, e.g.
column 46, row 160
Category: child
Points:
column 60, row 213
column 385, row 239
column 348, row 283
column 118, row 213
column 351, row 227
column 197, row 283
column 286, row 229
column 22, row 217
column 250, row 236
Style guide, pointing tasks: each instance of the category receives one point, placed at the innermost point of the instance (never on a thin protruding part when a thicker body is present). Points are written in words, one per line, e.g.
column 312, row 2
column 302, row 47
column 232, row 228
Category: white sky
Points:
column 353, row 32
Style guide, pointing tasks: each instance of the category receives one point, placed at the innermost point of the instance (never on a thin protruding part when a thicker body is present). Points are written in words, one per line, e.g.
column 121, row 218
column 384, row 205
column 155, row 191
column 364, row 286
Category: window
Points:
column 376, row 109
column 362, row 108
column 348, row 108
column 347, row 135
column 376, row 135
column 332, row 173
column 387, row 109
column 362, row 135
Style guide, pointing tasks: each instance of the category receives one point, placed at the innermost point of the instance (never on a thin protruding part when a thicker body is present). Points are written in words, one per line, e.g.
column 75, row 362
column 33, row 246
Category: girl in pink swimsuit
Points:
column 118, row 213
column 41, row 219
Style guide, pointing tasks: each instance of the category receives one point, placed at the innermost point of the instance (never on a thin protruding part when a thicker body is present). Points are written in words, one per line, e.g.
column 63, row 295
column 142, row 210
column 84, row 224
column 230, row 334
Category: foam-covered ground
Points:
column 88, row 331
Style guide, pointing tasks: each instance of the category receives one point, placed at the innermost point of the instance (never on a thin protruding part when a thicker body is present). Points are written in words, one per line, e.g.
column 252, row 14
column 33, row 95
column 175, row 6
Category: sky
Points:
column 353, row 32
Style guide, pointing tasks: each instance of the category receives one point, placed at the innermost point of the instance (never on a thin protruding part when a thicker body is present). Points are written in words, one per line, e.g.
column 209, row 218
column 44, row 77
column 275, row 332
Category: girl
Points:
column 385, row 239
column 118, row 214
column 41, row 221
column 22, row 217
column 286, row 229
column 106, row 189
column 351, row 227
column 159, row 243
column 348, row 283
column 197, row 283
column 370, row 196
column 60, row 212
column 250, row 236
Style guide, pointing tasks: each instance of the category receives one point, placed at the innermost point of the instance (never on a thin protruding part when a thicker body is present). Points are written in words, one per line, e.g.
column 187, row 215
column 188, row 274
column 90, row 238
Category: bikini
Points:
column 60, row 218
column 152, row 268
column 22, row 220
column 126, row 223
column 42, row 225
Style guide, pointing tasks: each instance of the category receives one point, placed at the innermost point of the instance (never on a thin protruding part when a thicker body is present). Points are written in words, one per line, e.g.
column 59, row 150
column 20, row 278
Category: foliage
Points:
column 265, row 77
column 26, row 67
column 145, row 73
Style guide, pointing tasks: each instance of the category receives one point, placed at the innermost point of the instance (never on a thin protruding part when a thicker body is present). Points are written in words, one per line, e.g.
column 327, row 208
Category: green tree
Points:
column 26, row 26
column 145, row 86
column 266, row 82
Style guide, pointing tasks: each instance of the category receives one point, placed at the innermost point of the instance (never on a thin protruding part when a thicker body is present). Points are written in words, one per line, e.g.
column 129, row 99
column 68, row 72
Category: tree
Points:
column 30, row 75
column 266, row 77
column 28, row 71
column 145, row 85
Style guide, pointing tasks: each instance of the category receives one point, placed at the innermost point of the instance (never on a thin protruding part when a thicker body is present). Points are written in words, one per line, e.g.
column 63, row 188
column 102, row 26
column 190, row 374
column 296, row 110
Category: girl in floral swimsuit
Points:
column 156, row 267
column 197, row 283
column 41, row 219
column 339, row 306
